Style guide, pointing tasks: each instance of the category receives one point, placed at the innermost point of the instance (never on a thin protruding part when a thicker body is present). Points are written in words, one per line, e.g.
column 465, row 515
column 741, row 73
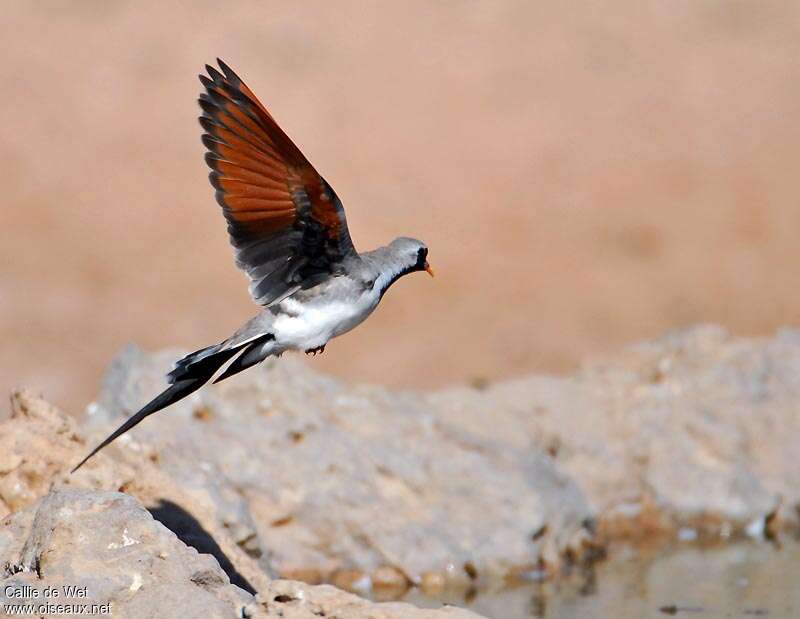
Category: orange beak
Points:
column 428, row 269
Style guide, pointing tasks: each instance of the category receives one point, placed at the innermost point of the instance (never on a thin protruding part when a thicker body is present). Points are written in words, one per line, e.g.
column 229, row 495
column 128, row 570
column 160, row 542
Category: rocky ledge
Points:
column 82, row 552
column 281, row 472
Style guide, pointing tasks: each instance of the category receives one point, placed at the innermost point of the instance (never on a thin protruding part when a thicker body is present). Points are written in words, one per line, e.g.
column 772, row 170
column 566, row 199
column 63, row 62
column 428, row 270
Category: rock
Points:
column 109, row 548
column 290, row 599
column 44, row 444
column 281, row 471
column 693, row 430
column 38, row 441
column 342, row 480
column 106, row 551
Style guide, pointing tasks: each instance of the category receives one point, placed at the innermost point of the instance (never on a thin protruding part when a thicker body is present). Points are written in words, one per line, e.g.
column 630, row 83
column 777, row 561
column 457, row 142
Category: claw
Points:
column 318, row 349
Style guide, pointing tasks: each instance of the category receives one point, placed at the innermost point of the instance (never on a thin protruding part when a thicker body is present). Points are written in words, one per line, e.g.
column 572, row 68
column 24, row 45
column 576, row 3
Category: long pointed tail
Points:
column 170, row 395
column 190, row 373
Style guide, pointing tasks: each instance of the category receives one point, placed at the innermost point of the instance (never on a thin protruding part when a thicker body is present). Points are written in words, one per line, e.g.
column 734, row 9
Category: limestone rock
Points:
column 106, row 551
column 108, row 548
column 338, row 479
column 296, row 600
column 281, row 471
column 696, row 429
column 40, row 446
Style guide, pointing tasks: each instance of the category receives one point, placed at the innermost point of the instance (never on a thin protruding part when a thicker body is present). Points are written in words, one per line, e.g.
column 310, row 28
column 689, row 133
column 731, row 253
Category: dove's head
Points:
column 411, row 254
column 400, row 257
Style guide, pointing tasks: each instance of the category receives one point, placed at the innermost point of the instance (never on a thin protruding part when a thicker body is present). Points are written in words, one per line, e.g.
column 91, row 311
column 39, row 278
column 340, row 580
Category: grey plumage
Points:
column 290, row 236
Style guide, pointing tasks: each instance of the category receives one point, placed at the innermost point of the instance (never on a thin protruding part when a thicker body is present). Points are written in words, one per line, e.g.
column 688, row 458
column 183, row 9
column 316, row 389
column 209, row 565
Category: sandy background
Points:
column 583, row 176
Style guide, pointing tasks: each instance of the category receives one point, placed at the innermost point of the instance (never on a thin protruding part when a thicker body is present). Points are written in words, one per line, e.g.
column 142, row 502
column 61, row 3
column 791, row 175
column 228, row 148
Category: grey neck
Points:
column 385, row 267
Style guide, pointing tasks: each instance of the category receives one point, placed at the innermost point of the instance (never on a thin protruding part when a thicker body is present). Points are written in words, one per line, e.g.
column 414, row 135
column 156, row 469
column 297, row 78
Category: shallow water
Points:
column 747, row 579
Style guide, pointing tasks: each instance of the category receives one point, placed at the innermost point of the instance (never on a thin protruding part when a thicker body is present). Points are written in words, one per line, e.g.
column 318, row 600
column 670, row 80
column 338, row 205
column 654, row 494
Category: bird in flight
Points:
column 289, row 234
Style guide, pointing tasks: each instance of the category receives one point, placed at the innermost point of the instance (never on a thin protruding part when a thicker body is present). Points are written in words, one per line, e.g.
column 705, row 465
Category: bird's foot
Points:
column 316, row 350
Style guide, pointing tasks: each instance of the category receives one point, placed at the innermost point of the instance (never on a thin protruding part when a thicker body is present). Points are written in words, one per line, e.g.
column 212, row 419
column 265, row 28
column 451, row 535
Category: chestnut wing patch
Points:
column 285, row 222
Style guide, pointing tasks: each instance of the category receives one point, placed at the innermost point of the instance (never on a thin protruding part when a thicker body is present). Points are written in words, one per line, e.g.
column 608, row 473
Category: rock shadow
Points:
column 192, row 533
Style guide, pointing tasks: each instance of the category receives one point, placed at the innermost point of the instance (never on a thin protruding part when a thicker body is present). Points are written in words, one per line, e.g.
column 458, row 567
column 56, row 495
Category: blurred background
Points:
column 585, row 174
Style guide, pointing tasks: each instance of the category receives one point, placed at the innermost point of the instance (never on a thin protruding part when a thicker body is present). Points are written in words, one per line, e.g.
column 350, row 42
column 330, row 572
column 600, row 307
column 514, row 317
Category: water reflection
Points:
column 747, row 579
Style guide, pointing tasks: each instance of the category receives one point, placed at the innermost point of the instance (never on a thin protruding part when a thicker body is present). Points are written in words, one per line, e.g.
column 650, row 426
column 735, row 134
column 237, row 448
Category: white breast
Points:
column 303, row 326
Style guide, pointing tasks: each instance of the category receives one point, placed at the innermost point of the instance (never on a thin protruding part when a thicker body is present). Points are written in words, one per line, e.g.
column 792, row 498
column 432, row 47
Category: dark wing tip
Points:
column 215, row 75
column 229, row 73
column 205, row 81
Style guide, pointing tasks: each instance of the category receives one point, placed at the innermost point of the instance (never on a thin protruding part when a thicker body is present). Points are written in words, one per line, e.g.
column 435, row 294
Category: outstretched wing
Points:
column 285, row 222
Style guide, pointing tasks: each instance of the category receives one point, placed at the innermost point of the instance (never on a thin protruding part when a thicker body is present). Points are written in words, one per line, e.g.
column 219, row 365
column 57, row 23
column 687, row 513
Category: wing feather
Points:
column 285, row 222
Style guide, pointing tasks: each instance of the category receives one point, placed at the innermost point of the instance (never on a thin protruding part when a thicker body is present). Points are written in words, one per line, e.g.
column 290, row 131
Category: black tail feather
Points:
column 170, row 395
column 190, row 373
column 251, row 355
column 203, row 362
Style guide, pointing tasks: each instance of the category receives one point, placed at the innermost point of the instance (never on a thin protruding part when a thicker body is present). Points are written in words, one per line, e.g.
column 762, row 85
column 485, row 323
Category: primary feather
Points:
column 290, row 236
column 286, row 223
